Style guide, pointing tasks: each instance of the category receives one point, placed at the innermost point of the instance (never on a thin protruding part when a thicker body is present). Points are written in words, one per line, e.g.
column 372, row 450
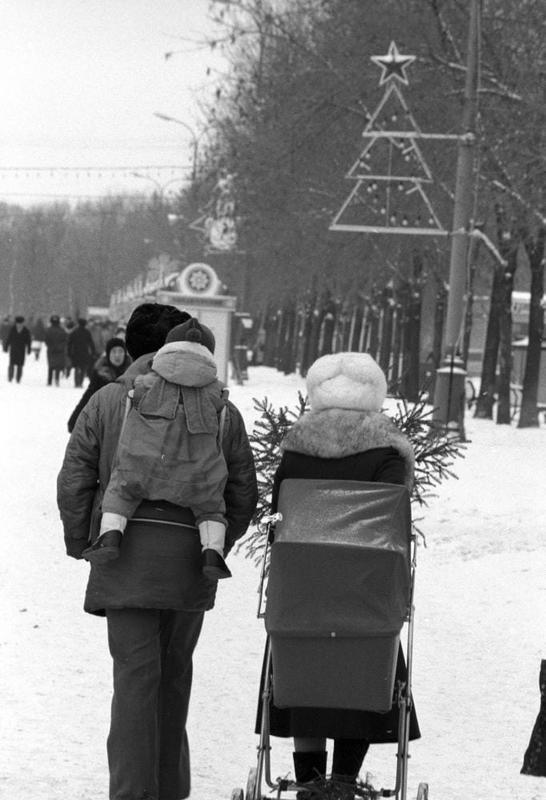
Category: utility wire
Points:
column 97, row 169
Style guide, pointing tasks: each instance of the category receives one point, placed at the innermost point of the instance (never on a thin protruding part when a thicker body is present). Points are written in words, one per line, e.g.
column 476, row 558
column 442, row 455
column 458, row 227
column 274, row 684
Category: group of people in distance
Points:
column 70, row 347
column 157, row 484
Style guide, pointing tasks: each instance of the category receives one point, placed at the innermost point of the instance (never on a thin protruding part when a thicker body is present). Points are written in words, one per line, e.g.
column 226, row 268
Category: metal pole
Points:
column 449, row 394
column 194, row 139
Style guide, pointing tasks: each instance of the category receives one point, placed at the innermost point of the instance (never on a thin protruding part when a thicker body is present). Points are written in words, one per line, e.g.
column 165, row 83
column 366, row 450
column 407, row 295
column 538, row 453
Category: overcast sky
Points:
column 80, row 82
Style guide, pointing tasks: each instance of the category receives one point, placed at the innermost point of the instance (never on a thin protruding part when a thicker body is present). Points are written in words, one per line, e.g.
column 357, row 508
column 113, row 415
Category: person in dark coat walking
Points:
column 343, row 437
column 17, row 344
column 107, row 368
column 81, row 351
column 55, row 340
column 154, row 595
column 5, row 326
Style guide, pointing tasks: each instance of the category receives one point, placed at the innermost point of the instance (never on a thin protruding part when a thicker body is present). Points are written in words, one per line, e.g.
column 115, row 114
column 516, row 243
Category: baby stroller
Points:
column 340, row 587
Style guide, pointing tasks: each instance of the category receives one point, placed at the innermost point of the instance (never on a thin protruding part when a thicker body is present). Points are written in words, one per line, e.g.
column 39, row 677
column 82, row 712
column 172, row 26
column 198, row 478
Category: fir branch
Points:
column 435, row 454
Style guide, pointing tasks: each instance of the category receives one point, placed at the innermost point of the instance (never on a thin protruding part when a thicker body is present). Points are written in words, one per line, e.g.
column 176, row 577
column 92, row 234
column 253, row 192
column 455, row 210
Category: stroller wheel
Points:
column 237, row 794
column 251, row 785
column 422, row 791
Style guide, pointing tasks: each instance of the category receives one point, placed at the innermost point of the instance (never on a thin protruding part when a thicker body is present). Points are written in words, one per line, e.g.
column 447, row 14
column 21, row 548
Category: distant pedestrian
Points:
column 17, row 344
column 38, row 334
column 101, row 333
column 5, row 328
column 108, row 368
column 55, row 340
column 81, row 351
column 69, row 325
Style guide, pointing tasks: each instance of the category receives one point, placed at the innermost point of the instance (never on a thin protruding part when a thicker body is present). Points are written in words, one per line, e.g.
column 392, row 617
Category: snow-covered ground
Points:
column 479, row 627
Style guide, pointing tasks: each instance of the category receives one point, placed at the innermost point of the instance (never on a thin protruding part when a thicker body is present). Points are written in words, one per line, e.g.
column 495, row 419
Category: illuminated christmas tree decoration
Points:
column 391, row 170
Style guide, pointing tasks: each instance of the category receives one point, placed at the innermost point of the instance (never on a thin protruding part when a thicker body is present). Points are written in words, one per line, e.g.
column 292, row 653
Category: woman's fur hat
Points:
column 352, row 381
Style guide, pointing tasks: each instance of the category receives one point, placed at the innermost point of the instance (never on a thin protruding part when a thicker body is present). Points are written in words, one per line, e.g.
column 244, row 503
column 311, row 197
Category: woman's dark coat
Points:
column 81, row 348
column 344, row 445
column 55, row 340
column 160, row 565
column 18, row 345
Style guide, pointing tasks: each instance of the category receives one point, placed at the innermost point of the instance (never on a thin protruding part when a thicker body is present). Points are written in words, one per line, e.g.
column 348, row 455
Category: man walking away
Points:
column 81, row 351
column 55, row 340
column 154, row 596
column 17, row 344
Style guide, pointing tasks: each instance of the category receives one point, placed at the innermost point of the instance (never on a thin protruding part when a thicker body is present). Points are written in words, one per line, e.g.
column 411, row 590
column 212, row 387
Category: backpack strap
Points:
column 128, row 404
column 222, row 416
column 222, row 425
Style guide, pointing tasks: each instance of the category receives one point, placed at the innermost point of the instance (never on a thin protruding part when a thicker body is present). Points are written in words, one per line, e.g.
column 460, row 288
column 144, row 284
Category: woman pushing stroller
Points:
column 346, row 437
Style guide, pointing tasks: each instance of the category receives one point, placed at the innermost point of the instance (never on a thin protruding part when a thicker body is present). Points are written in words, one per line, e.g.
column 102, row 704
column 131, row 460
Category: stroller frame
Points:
column 262, row 772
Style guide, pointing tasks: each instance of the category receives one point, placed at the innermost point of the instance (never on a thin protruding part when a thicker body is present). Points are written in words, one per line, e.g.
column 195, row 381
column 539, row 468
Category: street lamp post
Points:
column 450, row 377
column 194, row 138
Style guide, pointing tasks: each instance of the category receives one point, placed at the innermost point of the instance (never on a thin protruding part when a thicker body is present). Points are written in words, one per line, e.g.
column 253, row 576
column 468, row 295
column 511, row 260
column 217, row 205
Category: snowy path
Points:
column 480, row 624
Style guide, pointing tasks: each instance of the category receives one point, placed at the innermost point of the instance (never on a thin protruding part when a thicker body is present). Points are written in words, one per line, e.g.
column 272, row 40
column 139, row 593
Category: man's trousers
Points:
column 148, row 751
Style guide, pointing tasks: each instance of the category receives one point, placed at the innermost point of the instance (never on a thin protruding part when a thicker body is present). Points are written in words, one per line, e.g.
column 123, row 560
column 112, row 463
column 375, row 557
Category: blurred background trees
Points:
column 285, row 128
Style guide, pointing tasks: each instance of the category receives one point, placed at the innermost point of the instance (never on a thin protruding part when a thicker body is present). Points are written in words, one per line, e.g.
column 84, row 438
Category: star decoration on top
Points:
column 393, row 65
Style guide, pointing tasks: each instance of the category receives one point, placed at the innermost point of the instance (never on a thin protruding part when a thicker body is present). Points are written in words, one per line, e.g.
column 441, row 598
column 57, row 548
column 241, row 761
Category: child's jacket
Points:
column 169, row 448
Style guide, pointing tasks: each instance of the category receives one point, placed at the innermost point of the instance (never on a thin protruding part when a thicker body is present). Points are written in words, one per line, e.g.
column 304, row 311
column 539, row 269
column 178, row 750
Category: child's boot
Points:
column 212, row 535
column 106, row 548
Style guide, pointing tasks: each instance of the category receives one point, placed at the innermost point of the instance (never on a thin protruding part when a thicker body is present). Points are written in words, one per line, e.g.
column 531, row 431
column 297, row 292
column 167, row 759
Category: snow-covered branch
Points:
column 515, row 195
column 476, row 233
column 494, row 86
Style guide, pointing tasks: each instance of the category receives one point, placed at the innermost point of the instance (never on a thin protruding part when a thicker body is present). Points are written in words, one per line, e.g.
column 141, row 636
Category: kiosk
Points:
column 198, row 290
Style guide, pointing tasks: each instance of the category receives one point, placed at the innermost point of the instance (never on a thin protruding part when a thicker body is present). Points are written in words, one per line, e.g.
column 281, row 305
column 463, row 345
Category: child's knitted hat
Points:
column 192, row 331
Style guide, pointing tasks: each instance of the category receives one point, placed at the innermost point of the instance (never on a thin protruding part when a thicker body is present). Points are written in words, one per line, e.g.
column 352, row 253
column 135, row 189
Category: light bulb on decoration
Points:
column 405, row 221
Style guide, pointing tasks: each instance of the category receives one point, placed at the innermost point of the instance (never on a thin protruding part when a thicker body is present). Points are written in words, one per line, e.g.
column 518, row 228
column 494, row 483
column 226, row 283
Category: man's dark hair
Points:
column 149, row 325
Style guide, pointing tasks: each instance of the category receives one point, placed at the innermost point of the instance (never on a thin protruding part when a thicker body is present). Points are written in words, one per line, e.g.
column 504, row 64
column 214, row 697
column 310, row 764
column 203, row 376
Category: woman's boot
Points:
column 347, row 759
column 309, row 766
